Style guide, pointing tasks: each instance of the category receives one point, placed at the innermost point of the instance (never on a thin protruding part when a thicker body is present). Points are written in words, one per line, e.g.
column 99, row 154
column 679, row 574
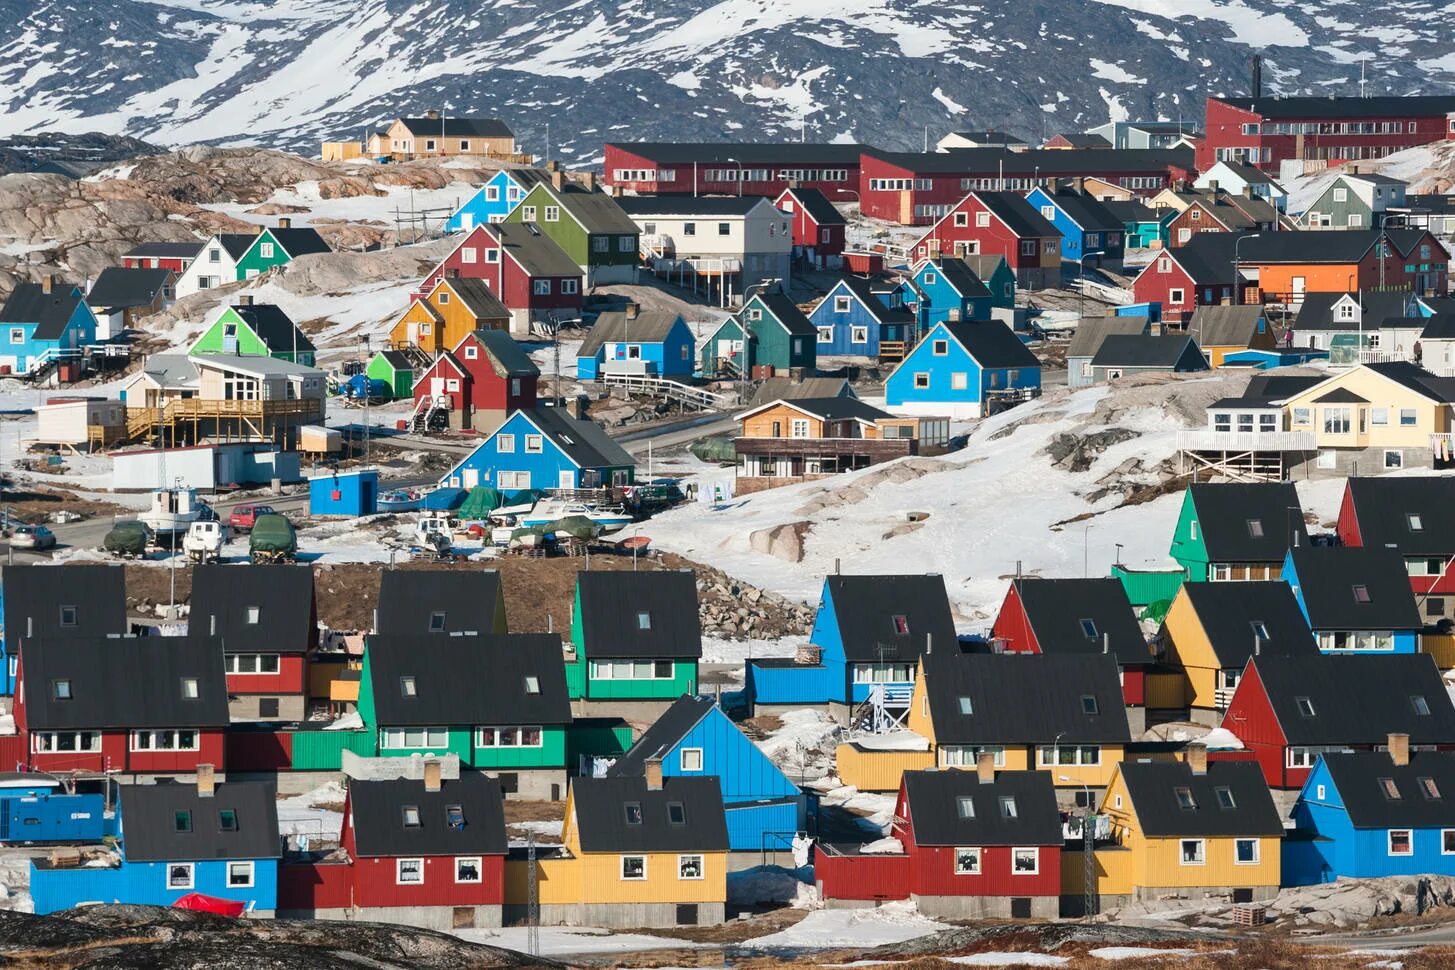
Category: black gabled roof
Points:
column 273, row 327
column 1055, row 609
column 1024, row 698
column 786, row 312
column 119, row 287
column 448, row 127
column 958, row 274
column 1417, row 379
column 1153, row 788
column 533, row 249
column 1278, row 107
column 397, row 359
column 1146, row 350
column 1235, row 615
column 1226, row 510
column 124, row 682
column 601, row 815
column 236, row 243
column 992, row 344
column 166, row 250
column 477, row 297
column 377, row 815
column 408, row 598
column 1083, row 139
column 1274, row 387
column 1208, row 257
column 835, row 408
column 423, row 679
column 818, row 207
column 299, row 241
column 1023, row 218
column 50, row 312
column 679, row 204
column 1087, row 212
column 1359, row 699
column 149, row 818
column 1306, row 246
column 1360, row 779
column 866, row 608
column 612, row 605
column 1330, row 576
column 745, row 153
column 863, row 291
column 669, row 728
column 224, row 598
column 1415, row 515
column 1316, row 312
column 934, row 808
column 1341, row 395
column 1441, row 326
column 35, row 594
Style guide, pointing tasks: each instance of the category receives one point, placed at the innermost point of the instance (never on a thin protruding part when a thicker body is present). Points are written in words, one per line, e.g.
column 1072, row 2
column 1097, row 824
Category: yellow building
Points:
column 1186, row 829
column 454, row 308
column 637, row 852
column 1212, row 629
column 433, row 135
column 1223, row 330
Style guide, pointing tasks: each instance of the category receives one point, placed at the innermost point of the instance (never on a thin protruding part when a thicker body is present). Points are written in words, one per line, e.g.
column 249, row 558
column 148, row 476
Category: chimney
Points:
column 616, row 191
column 46, row 282
column 654, row 774
column 1399, row 749
column 552, row 165
column 432, row 775
column 285, row 223
column 985, row 767
column 431, row 113
column 1213, row 186
column 632, row 310
column 245, row 299
column 1197, row 758
column 206, row 781
column 590, row 180
column 1079, row 184
column 1257, row 79
column 558, row 179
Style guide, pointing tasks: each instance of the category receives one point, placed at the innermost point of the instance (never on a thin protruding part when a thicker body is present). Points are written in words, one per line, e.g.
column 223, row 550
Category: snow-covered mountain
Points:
column 287, row 73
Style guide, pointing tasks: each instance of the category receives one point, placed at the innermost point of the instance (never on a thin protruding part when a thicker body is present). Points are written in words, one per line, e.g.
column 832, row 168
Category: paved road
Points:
column 1439, row 935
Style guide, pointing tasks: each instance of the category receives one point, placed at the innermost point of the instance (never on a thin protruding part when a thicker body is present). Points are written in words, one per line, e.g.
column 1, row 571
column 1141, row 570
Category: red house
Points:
column 732, row 168
column 266, row 622
column 981, row 844
column 1187, row 277
column 1415, row 516
column 132, row 705
column 478, row 383
column 998, row 224
column 818, row 228
column 173, row 256
column 523, row 267
column 1289, row 710
column 1083, row 616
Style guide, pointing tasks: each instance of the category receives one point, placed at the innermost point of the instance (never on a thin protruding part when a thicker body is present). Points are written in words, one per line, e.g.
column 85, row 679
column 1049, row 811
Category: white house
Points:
column 1235, row 177
column 746, row 239
column 216, row 263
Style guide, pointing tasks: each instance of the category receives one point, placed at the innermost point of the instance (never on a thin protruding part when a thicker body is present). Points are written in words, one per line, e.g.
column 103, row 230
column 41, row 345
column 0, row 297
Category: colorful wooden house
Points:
column 1000, row 224
column 497, row 702
column 1090, row 333
column 440, row 601
column 394, row 368
column 1181, row 280
column 175, row 256
column 781, row 340
column 588, row 225
column 1091, row 234
column 968, row 369
column 42, row 602
column 455, row 307
column 1354, row 200
column 975, row 845
column 1356, row 599
column 992, row 270
column 693, row 738
column 217, row 840
column 256, row 329
column 817, row 227
column 947, row 290
column 544, row 448
column 1188, row 829
column 1223, row 330
column 1237, row 530
column 1143, row 227
column 523, row 267
column 493, row 201
column 278, row 246
column 1212, row 629
column 865, row 645
column 216, row 263
column 265, row 621
column 1124, row 355
column 121, row 298
column 44, row 324
column 1289, row 710
column 1415, row 516
column 131, row 705
column 1373, row 814
column 657, row 343
column 851, row 320
column 483, row 378
column 637, row 640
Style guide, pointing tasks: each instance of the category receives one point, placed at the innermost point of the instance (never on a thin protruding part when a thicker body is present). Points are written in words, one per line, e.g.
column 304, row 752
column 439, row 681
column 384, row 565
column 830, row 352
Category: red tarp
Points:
column 210, row 904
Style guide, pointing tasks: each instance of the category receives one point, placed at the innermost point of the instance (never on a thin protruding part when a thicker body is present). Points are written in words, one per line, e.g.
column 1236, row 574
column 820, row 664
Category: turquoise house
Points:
column 959, row 369
column 1357, row 599
column 946, row 290
column 44, row 323
column 1142, row 226
column 493, row 201
column 544, row 448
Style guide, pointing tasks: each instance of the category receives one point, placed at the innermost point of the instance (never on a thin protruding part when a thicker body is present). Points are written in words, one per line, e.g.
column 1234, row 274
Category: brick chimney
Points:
column 1399, row 749
column 632, row 311
column 47, row 282
column 985, row 767
column 558, row 179
column 285, row 223
column 432, row 775
column 589, row 180
column 654, row 774
column 245, row 299
column 431, row 113
column 552, row 165
column 1197, row 758
column 206, row 781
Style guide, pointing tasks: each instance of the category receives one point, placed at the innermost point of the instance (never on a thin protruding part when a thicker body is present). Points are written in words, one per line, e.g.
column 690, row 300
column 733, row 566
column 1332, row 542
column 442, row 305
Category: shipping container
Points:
column 36, row 809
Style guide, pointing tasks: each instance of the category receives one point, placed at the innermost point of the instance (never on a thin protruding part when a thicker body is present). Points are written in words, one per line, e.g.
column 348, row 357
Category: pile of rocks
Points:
column 732, row 608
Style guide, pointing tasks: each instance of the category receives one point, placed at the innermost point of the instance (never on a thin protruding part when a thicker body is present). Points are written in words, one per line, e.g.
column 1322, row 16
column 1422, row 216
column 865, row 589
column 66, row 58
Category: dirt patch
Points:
column 36, row 505
column 533, row 811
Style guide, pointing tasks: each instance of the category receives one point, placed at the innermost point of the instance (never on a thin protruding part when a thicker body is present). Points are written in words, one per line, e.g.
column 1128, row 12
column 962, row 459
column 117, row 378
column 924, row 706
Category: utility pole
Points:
column 533, row 905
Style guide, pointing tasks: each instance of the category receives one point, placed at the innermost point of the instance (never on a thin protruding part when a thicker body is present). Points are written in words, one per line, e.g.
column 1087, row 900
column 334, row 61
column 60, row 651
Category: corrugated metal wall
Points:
column 879, row 770
column 862, row 876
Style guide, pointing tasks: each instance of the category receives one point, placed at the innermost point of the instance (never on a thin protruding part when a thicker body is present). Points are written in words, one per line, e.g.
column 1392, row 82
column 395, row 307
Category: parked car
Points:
column 245, row 516
column 33, row 537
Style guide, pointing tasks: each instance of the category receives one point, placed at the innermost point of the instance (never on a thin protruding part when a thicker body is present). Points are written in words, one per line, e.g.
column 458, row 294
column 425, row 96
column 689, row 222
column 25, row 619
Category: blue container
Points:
column 352, row 494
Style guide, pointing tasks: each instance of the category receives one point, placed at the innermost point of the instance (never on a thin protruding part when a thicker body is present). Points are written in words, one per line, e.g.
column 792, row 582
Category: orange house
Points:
column 454, row 307
column 1292, row 263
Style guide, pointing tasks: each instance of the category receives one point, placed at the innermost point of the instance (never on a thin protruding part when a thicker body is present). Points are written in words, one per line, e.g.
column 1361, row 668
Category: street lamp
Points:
column 1236, row 298
column 739, row 168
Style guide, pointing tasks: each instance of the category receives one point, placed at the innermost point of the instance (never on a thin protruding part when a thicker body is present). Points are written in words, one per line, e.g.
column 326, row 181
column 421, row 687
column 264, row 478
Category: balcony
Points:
column 1206, row 440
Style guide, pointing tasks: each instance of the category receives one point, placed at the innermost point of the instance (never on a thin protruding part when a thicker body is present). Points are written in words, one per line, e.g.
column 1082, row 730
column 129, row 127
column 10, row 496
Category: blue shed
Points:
column 33, row 808
column 545, row 449
column 652, row 344
column 1368, row 814
column 960, row 368
column 1091, row 235
column 693, row 738
column 948, row 291
column 1151, row 310
column 494, row 200
column 1357, row 599
column 350, row 493
column 852, row 320
column 44, row 324
column 1270, row 359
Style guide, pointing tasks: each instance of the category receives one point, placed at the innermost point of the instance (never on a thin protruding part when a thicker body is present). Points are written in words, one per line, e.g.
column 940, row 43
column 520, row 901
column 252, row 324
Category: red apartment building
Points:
column 729, row 168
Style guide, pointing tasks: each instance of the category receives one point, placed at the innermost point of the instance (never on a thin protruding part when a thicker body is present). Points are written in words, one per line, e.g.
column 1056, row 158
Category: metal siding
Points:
column 54, row 818
column 550, row 754
column 933, row 869
column 544, row 468
column 1251, row 718
column 755, row 827
column 316, row 886
column 796, row 684
column 1013, row 626
column 857, row 316
column 682, row 681
column 144, row 883
column 863, row 876
column 459, row 741
column 259, row 750
column 743, row 772
column 375, row 883
column 899, row 389
column 879, row 770
column 323, row 750
column 289, row 678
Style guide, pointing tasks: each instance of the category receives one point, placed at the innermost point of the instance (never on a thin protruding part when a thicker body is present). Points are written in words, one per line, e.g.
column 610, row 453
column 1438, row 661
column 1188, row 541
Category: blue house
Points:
column 544, row 448
column 869, row 633
column 1091, row 235
column 42, row 602
column 946, row 290
column 1356, row 599
column 44, row 323
column 853, row 321
column 493, row 201
column 657, row 343
column 215, row 839
column 962, row 369
column 695, row 738
column 1367, row 814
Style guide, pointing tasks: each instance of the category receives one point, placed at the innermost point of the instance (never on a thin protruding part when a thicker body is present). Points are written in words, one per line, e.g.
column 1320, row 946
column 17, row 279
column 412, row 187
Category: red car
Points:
column 244, row 516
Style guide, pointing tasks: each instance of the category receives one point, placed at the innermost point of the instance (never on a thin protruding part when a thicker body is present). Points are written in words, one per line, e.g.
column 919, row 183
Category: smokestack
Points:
column 632, row 309
column 206, row 781
column 590, row 180
column 1197, row 758
column 558, row 179
column 431, row 113
column 1257, row 80
column 985, row 767
column 653, row 770
column 432, row 775
column 245, row 299
column 1399, row 749
column 285, row 223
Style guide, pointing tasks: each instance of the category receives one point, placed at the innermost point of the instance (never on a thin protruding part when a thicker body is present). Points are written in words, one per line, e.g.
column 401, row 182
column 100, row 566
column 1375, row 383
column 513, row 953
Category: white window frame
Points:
column 1389, row 842
column 970, row 854
column 1201, row 859
column 399, row 879
column 1257, row 852
column 36, row 737
column 621, row 868
column 1035, row 853
column 505, row 444
column 191, row 868
column 921, row 380
column 701, row 867
column 858, row 335
column 148, row 740
column 399, row 738
column 535, row 444
column 693, row 763
column 250, row 868
column 843, row 304
column 959, row 381
column 518, row 731
column 479, row 870
column 1445, row 848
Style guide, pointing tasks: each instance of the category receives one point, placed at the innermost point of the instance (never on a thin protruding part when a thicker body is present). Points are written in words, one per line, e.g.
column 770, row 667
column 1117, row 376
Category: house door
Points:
column 436, row 387
column 413, row 334
column 470, row 477
column 1299, row 283
column 567, row 479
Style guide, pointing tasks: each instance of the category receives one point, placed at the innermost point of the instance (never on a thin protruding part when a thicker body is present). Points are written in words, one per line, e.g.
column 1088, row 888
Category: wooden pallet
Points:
column 1250, row 914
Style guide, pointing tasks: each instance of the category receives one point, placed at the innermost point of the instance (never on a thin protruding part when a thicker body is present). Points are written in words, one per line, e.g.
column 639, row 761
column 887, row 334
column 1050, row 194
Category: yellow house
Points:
column 1223, row 330
column 1187, row 829
column 1212, row 629
column 644, row 851
column 454, row 308
column 1383, row 415
column 434, row 135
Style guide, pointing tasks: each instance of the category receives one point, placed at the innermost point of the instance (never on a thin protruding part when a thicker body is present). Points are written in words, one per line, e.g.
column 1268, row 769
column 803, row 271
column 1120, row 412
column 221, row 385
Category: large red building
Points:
column 732, row 168
column 1267, row 131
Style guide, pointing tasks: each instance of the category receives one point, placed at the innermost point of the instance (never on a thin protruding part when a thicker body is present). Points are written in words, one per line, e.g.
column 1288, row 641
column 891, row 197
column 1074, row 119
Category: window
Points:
column 467, row 869
column 168, row 740
column 189, row 688
column 1305, row 706
column 239, row 875
column 409, row 815
column 68, row 616
column 1176, row 296
column 266, row 250
column 182, row 821
column 967, row 707
column 1429, row 789
column 1255, row 528
column 632, row 812
column 1007, row 806
column 1048, row 212
column 1070, row 754
column 568, row 287
column 1260, row 629
column 967, row 755
column 17, row 335
column 492, row 256
column 626, row 244
column 540, row 287
column 1390, row 789
column 226, row 820
column 634, row 867
column 676, row 813
column 251, row 663
column 61, row 690
column 689, row 867
column 962, row 219
column 1225, row 798
column 825, row 335
column 690, row 759
column 1420, row 705
column 800, row 428
column 1245, row 852
column 406, row 684
column 900, row 622
column 553, row 213
column 1400, row 842
column 1185, row 800
column 959, row 380
column 1088, row 705
column 1415, row 523
column 1194, row 852
column 965, row 806
column 859, row 335
column 455, row 817
column 940, row 348
column 982, row 220
column 472, row 352
column 1361, row 593
column 1336, row 421
column 532, row 684
column 842, row 304
column 1447, row 841
column 1408, row 418
column 409, row 872
column 508, row 737
column 967, row 862
column 1025, row 862
column 47, row 742
column 1088, row 628
column 504, row 443
column 534, row 444
column 179, row 875
column 1302, row 416
column 433, row 737
column 528, row 214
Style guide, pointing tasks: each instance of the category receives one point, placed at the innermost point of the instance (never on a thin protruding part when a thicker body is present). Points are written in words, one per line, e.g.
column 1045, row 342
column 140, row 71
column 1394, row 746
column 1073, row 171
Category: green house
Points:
column 278, row 247
column 782, row 338
column 997, row 276
column 259, row 330
column 1142, row 226
column 1237, row 530
column 587, row 225
column 395, row 369
column 637, row 636
column 497, row 701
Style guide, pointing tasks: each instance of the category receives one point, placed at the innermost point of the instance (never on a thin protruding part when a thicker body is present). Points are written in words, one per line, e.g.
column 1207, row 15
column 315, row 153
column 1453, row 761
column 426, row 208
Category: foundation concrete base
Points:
column 290, row 782
column 1156, row 893
column 1075, row 906
column 246, row 707
column 643, row 711
column 1137, row 720
column 988, row 907
column 443, row 918
column 622, row 916
column 856, row 903
column 1205, row 716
